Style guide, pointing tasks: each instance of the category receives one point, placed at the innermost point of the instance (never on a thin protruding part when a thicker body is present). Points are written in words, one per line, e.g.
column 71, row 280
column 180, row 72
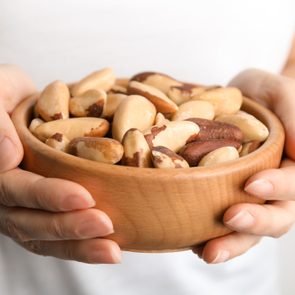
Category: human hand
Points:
column 46, row 216
column 250, row 222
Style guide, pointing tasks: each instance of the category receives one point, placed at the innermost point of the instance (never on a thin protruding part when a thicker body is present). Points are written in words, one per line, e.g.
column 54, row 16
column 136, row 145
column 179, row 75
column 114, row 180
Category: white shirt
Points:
column 199, row 41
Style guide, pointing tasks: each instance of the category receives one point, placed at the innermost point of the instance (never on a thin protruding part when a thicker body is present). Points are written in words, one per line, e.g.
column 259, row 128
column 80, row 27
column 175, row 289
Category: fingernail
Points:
column 7, row 151
column 75, row 202
column 260, row 188
column 221, row 256
column 241, row 220
column 91, row 229
column 107, row 256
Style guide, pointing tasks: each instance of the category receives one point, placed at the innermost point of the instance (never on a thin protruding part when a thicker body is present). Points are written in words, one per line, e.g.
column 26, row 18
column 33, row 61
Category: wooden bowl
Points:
column 155, row 210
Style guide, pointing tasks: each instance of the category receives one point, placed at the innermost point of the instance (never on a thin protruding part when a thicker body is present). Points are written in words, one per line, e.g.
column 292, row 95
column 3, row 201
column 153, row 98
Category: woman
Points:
column 207, row 42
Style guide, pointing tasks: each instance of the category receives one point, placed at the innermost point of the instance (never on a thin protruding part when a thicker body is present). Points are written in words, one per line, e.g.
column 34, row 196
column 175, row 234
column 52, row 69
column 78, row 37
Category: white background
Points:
column 287, row 263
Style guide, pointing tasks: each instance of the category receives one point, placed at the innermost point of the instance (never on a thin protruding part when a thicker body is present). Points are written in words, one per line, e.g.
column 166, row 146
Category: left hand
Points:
column 250, row 222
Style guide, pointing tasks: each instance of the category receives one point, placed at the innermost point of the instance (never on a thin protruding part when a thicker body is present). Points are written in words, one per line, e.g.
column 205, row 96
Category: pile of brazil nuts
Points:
column 150, row 120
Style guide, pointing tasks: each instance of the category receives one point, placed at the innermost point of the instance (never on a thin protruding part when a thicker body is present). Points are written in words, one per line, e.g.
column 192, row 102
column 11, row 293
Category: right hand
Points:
column 47, row 216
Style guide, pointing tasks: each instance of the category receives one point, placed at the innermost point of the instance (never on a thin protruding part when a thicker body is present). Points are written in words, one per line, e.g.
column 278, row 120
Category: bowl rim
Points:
column 21, row 115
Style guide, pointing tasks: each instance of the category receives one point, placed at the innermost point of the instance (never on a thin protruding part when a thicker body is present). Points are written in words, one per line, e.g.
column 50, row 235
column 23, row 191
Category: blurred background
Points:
column 287, row 263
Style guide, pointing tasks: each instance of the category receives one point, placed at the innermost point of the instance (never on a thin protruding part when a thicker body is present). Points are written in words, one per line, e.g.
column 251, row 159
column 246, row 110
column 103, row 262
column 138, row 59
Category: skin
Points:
column 65, row 224
column 251, row 222
column 63, row 206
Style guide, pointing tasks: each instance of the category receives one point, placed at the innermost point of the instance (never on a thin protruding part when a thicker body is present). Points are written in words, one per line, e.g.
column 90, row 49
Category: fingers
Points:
column 14, row 86
column 227, row 247
column 26, row 224
column 11, row 150
column 273, row 184
column 88, row 251
column 30, row 226
column 275, row 92
column 273, row 219
column 252, row 220
column 35, row 191
column 267, row 88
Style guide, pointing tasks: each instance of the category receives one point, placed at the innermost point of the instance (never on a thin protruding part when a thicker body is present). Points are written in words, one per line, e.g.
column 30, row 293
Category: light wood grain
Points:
column 157, row 210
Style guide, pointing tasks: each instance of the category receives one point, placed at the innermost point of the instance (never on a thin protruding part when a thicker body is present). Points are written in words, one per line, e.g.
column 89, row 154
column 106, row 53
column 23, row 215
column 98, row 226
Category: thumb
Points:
column 11, row 151
column 274, row 92
column 14, row 86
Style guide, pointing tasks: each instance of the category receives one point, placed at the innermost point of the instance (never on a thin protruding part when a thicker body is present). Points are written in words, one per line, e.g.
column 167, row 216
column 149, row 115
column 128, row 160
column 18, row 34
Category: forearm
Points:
column 289, row 68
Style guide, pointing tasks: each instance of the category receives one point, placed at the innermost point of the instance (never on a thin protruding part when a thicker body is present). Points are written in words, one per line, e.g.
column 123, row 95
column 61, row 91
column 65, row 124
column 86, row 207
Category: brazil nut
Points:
column 164, row 158
column 53, row 103
column 73, row 127
column 103, row 150
column 135, row 111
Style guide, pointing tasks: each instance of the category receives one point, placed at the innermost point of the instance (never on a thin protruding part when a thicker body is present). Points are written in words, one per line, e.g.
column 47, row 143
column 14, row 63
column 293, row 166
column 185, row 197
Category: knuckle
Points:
column 15, row 232
column 42, row 195
column 69, row 252
column 56, row 229
column 10, row 228
column 37, row 195
column 5, row 198
column 35, row 247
